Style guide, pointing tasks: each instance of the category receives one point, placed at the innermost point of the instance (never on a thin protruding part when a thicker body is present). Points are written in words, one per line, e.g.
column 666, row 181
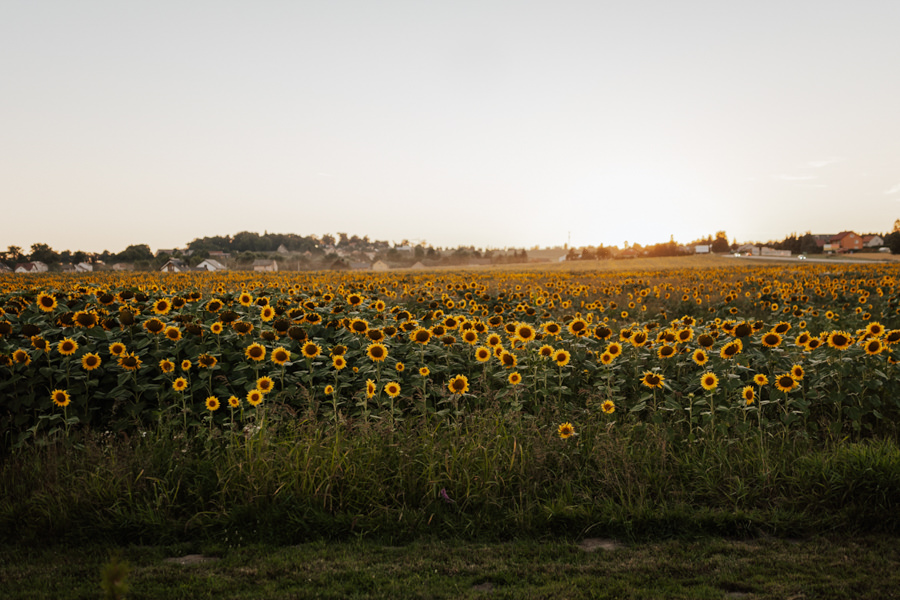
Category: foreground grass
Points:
column 863, row 567
column 483, row 478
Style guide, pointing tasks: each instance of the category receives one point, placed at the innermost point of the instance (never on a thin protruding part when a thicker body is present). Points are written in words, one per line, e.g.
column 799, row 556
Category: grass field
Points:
column 821, row 568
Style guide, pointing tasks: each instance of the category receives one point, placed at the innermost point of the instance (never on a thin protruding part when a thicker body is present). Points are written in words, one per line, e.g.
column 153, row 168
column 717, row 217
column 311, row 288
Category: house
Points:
column 380, row 265
column 123, row 266
column 701, row 249
column 84, row 267
column 766, row 251
column 845, row 241
column 31, row 267
column 4, row 268
column 748, row 250
column 175, row 265
column 282, row 249
column 872, row 241
column 211, row 264
column 265, row 265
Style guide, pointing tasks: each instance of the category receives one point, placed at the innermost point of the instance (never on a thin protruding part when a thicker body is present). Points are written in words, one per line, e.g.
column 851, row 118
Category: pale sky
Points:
column 480, row 123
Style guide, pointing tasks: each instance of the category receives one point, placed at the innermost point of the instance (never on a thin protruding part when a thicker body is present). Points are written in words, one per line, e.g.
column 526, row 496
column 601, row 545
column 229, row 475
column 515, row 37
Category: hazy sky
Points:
column 486, row 123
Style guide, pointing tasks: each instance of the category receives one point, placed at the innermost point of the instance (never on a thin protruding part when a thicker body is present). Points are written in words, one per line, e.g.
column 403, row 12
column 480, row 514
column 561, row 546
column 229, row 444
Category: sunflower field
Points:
column 162, row 408
column 711, row 352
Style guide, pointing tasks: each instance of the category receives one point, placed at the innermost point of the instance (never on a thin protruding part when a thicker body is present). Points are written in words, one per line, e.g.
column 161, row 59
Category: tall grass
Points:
column 482, row 476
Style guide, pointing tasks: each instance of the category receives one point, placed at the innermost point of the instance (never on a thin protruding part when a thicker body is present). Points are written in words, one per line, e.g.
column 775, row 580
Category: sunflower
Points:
column 265, row 384
column 130, row 362
column 234, row 402
column 525, row 333
column 267, row 313
column 797, row 372
column 665, row 351
column 245, row 299
column 255, row 397
column 370, row 388
column 217, row 327
column 214, row 305
column 399, row 367
column 602, row 332
column 507, row 359
column 840, row 340
column 180, row 384
column 420, row 336
column 376, row 352
column 255, row 352
column 482, row 354
column 67, row 347
column 578, row 327
column 375, row 335
column 565, row 431
column 760, row 379
column 424, row 371
column 21, row 357
column 392, row 389
column 551, row 328
column 892, row 337
column 242, row 327
column 514, row 378
column 803, row 339
column 39, row 343
column 700, row 357
column 748, row 394
column 709, row 381
column 310, row 350
column 85, row 319
column 338, row 362
column 166, row 365
column 873, row 347
column 46, row 302
column 162, row 306
column 470, row 337
column 639, row 339
column 606, row 358
column 782, row 328
column 90, row 361
column 875, row 329
column 561, row 357
column 458, row 384
column 60, row 398
column 813, row 343
column 608, row 407
column 785, row 383
column 771, row 340
column 280, row 356
column 172, row 333
column 154, row 325
column 652, row 380
column 212, row 403
column 731, row 349
column 614, row 349
column 359, row 326
column 706, row 341
column 493, row 340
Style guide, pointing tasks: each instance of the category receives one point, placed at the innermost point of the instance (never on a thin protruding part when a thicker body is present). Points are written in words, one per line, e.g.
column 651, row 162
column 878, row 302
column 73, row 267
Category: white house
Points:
column 31, row 267
column 84, row 267
column 211, row 264
column 174, row 265
column 701, row 249
column 265, row 265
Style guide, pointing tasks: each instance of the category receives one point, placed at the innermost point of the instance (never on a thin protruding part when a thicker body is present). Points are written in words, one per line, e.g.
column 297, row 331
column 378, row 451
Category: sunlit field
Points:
column 478, row 402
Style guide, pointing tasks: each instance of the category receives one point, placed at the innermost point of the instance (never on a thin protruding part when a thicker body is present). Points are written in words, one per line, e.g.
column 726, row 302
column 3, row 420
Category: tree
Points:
column 720, row 244
column 44, row 254
column 135, row 253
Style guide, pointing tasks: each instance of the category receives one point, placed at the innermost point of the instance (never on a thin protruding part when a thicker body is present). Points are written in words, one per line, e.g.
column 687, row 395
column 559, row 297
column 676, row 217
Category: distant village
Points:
column 247, row 251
